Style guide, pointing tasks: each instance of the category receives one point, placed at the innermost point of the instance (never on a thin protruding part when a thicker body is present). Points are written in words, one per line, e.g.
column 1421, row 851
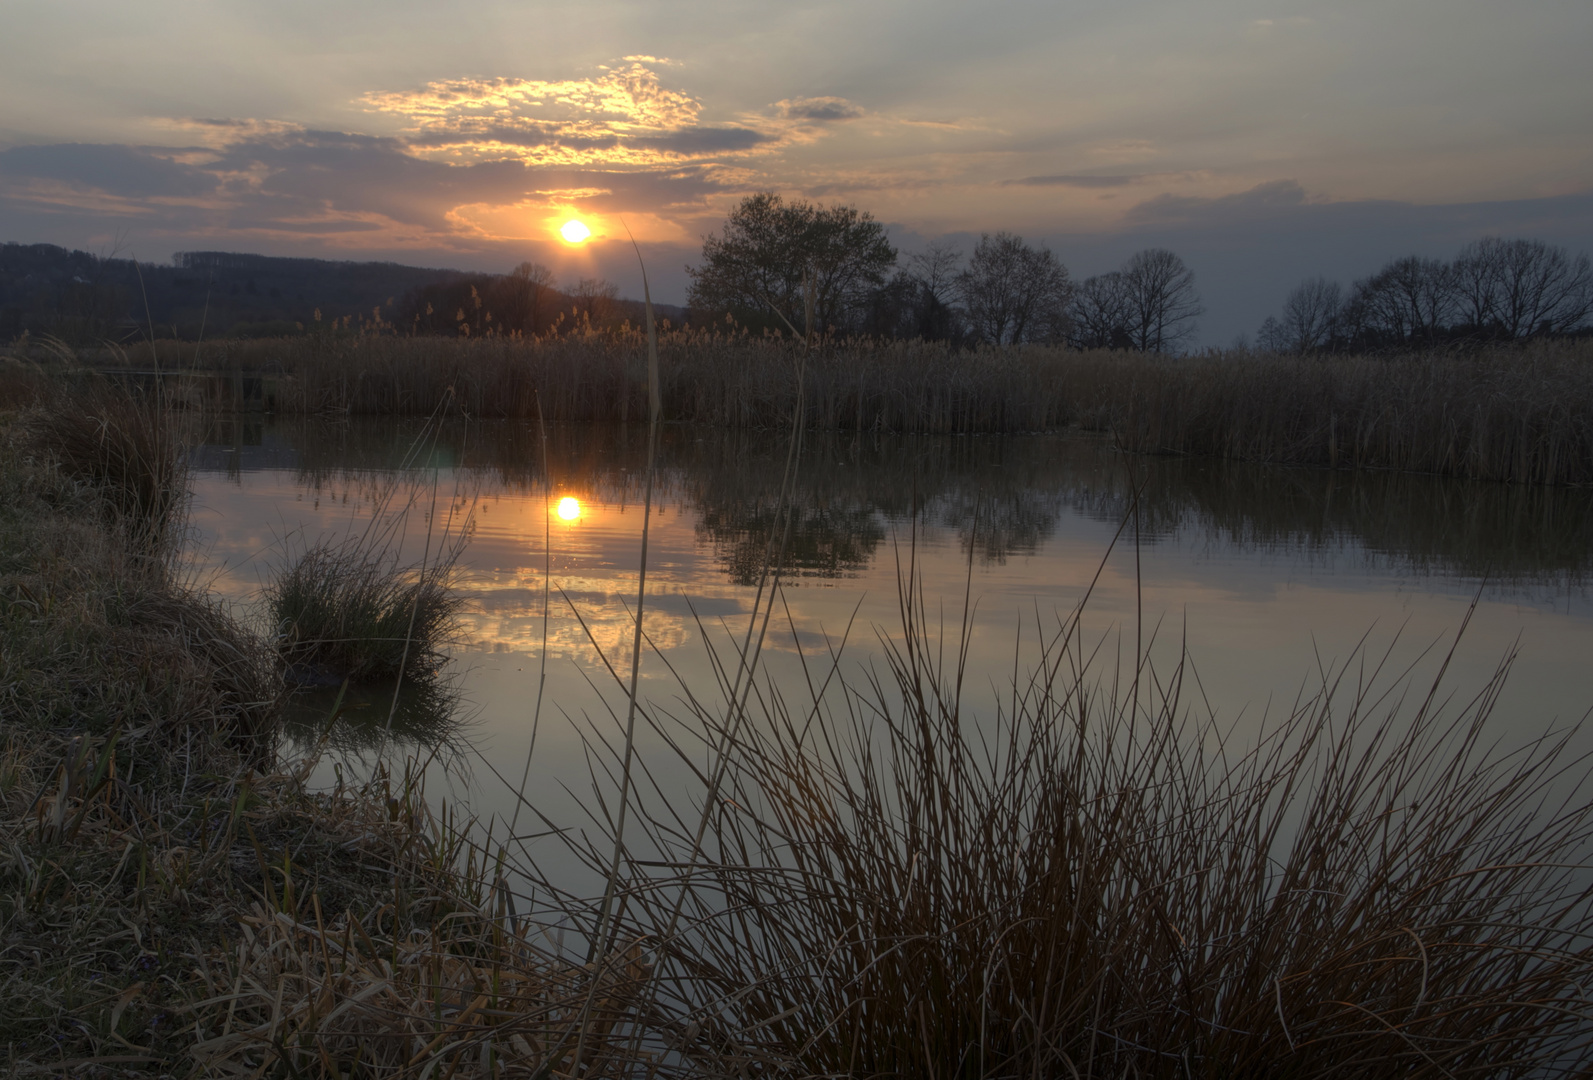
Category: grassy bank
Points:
column 175, row 899
column 1521, row 414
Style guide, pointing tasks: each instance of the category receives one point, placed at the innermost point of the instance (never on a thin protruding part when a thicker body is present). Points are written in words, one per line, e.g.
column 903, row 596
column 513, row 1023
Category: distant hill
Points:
column 84, row 298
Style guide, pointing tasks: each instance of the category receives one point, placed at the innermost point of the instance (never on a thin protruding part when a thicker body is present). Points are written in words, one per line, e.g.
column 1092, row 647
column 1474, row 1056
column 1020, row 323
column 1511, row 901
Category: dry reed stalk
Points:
column 600, row 952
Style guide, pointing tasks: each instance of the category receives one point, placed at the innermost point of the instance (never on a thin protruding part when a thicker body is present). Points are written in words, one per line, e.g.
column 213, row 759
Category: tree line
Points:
column 1493, row 290
column 1005, row 292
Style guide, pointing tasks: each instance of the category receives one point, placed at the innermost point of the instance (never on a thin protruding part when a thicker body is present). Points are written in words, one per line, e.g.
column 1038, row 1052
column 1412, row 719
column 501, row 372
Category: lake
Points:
column 1264, row 576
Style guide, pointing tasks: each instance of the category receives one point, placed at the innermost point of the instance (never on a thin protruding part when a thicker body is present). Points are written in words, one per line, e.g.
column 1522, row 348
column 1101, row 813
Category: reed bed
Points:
column 1522, row 414
column 1079, row 877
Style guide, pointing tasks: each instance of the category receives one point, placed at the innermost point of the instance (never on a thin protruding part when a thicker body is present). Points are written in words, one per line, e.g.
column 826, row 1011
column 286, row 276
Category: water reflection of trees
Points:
column 1000, row 496
column 849, row 493
column 1506, row 532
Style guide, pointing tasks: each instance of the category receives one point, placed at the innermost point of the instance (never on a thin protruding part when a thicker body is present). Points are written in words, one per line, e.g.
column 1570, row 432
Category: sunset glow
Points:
column 574, row 232
column 568, row 509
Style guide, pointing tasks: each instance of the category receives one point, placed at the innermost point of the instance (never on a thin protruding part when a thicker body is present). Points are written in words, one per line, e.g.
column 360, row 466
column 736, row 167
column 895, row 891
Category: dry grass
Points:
column 1079, row 879
column 1522, row 415
column 470, row 996
column 348, row 611
column 443, row 980
column 1516, row 413
column 161, row 867
column 125, row 447
column 96, row 631
column 244, row 925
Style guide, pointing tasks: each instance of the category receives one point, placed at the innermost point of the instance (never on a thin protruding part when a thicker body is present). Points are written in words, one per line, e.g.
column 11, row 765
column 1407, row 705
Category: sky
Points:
column 1264, row 142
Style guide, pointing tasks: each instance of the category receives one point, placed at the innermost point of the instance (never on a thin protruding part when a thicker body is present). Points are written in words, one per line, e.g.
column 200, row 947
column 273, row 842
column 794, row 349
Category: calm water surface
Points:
column 1261, row 573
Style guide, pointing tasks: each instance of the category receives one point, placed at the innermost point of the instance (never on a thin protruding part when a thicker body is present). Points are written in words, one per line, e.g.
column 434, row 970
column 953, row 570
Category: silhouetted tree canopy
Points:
column 1494, row 290
column 757, row 262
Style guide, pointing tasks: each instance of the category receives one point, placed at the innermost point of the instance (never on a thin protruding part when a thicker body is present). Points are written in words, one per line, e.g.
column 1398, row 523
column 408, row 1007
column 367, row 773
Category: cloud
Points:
column 1075, row 181
column 1265, row 198
column 469, row 156
column 817, row 109
column 329, row 183
column 471, row 163
column 632, row 97
column 128, row 172
column 625, row 116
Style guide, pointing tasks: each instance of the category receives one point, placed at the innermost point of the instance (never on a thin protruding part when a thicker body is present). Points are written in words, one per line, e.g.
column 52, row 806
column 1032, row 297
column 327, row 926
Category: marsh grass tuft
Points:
column 1082, row 878
column 341, row 609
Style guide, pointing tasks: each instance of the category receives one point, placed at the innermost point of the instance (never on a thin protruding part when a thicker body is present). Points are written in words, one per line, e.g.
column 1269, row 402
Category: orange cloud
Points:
column 626, row 116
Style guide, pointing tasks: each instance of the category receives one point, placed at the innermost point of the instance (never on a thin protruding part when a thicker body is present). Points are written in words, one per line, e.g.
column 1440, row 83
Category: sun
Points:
column 569, row 509
column 574, row 232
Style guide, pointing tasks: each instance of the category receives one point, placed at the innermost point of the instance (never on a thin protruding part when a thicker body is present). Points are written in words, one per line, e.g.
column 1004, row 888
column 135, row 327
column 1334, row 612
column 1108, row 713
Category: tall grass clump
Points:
column 342, row 609
column 126, row 447
column 1078, row 877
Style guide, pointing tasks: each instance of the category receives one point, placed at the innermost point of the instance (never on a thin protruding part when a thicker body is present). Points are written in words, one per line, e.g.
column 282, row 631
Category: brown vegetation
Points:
column 1079, row 879
column 1522, row 414
column 175, row 898
column 349, row 611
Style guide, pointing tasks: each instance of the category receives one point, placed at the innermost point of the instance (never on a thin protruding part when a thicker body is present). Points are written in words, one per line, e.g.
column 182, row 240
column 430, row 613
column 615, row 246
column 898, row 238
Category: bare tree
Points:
column 935, row 272
column 1012, row 292
column 1272, row 337
column 1522, row 288
column 919, row 302
column 935, row 268
column 1162, row 305
column 595, row 300
column 1409, row 301
column 1099, row 314
column 525, row 299
column 1309, row 321
column 1475, row 274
